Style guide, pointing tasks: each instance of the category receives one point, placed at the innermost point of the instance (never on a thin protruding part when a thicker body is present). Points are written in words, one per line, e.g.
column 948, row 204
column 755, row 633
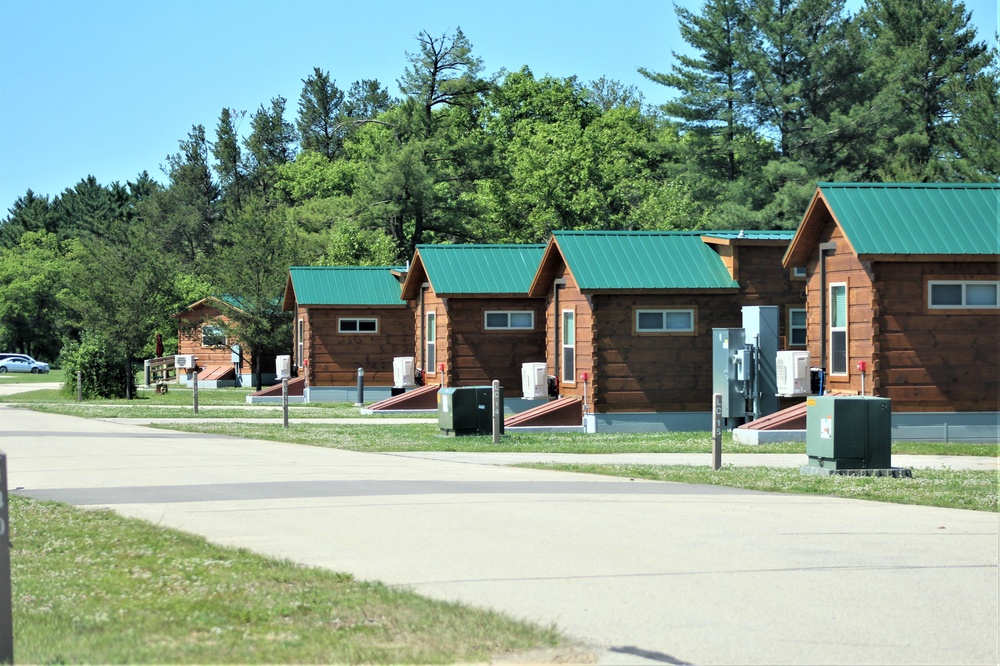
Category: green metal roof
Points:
column 917, row 218
column 480, row 269
column 642, row 260
column 345, row 285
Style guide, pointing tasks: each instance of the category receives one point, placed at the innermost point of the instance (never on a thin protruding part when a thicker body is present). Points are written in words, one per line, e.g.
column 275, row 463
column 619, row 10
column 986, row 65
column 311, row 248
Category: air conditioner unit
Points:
column 534, row 383
column 283, row 366
column 402, row 372
column 792, row 368
column 184, row 361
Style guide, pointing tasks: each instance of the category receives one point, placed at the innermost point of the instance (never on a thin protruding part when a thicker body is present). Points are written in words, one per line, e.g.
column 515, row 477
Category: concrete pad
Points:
column 647, row 572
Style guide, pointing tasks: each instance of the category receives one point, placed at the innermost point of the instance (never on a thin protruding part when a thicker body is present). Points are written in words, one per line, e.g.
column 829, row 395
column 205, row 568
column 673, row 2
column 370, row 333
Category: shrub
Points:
column 103, row 371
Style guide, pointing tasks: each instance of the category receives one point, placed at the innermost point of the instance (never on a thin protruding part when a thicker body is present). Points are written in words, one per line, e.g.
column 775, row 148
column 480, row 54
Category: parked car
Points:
column 22, row 363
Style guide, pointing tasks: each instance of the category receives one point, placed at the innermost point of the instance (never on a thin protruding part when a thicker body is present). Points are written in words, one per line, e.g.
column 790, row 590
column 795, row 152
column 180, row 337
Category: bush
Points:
column 103, row 371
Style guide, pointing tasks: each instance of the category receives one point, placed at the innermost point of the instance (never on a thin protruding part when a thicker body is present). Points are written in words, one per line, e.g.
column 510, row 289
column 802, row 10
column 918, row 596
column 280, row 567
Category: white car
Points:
column 22, row 363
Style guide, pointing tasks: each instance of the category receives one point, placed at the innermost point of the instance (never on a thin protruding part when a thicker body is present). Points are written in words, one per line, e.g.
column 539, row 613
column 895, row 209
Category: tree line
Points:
column 770, row 97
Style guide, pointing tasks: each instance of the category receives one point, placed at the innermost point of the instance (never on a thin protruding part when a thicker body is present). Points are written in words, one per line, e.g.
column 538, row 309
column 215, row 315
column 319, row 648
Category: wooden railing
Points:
column 160, row 370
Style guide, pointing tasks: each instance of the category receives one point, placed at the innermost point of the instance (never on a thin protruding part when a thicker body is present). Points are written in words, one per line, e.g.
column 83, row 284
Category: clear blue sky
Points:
column 108, row 87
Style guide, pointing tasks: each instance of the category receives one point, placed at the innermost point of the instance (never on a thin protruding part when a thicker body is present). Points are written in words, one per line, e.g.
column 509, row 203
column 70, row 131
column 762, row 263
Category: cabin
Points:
column 903, row 282
column 347, row 318
column 629, row 316
column 202, row 333
column 474, row 320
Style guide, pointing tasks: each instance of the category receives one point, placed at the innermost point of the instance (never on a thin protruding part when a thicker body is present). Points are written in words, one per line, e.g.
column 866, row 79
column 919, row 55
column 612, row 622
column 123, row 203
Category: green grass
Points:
column 28, row 378
column 93, row 587
column 955, row 489
column 429, row 438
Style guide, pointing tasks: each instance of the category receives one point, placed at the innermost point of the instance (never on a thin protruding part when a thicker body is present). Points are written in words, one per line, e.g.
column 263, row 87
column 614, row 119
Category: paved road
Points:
column 647, row 572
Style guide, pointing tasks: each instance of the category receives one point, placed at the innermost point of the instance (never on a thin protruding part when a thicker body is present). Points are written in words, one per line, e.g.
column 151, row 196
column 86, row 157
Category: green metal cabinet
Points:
column 849, row 432
column 467, row 410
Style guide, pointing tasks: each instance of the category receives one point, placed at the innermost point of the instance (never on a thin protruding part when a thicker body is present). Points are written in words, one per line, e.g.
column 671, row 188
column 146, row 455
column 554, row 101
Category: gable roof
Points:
column 492, row 270
column 904, row 220
column 634, row 260
column 342, row 285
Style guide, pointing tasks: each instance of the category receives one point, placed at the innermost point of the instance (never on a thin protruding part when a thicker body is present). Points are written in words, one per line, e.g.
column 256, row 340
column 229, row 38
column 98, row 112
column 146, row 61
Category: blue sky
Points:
column 109, row 87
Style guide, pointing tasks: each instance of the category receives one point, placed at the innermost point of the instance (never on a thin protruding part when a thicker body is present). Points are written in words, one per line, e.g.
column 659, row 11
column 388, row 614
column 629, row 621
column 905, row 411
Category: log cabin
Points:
column 902, row 280
column 474, row 320
column 346, row 318
column 202, row 333
column 633, row 312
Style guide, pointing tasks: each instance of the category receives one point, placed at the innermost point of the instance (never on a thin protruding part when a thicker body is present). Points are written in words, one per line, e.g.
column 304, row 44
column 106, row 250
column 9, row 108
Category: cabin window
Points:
column 568, row 344
column 212, row 336
column 355, row 325
column 799, row 273
column 513, row 320
column 664, row 321
column 300, row 340
column 430, row 342
column 970, row 294
column 838, row 329
column 796, row 327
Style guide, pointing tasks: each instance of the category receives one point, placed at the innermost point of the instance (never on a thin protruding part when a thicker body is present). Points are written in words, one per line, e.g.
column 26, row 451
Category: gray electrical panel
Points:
column 760, row 325
column 728, row 358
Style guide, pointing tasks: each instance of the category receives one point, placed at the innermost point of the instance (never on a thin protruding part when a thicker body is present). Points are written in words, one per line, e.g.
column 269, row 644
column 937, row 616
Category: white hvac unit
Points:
column 792, row 368
column 402, row 372
column 283, row 366
column 534, row 383
column 184, row 361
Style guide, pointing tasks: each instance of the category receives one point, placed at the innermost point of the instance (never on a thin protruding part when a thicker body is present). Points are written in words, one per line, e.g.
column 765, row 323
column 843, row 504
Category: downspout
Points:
column 823, row 249
column 421, row 349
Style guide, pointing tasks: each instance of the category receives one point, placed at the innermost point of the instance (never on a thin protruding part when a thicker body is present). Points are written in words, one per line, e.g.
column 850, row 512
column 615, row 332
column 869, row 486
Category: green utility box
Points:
column 849, row 432
column 467, row 410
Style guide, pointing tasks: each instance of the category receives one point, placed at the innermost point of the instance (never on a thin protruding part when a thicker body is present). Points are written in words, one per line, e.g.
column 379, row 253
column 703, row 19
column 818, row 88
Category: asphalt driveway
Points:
column 643, row 571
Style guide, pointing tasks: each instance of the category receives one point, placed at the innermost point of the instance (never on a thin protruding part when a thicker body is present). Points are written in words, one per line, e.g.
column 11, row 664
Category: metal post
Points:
column 717, row 431
column 6, row 608
column 361, row 388
column 79, row 386
column 284, row 401
column 194, row 387
column 497, row 416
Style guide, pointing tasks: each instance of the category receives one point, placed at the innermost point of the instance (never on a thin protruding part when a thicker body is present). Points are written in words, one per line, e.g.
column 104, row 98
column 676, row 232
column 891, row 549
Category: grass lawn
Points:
column 90, row 586
column 955, row 489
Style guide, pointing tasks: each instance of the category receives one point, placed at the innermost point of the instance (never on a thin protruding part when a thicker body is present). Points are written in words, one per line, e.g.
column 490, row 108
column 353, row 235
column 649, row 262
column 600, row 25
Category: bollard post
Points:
column 284, row 401
column 79, row 386
column 194, row 388
column 497, row 416
column 6, row 596
column 361, row 388
column 717, row 431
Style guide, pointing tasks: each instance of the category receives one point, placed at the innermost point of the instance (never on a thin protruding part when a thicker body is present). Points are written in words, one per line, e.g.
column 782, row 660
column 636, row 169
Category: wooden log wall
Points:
column 334, row 357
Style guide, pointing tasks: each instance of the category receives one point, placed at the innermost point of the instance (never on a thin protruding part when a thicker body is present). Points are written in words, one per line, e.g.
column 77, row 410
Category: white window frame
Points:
column 357, row 325
column 840, row 330
column 567, row 346
column 430, row 343
column 301, row 344
column 792, row 327
column 664, row 329
column 218, row 331
column 964, row 305
column 509, row 316
column 799, row 273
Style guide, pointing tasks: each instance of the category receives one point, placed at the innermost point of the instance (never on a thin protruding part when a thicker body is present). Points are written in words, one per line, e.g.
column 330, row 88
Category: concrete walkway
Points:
column 645, row 572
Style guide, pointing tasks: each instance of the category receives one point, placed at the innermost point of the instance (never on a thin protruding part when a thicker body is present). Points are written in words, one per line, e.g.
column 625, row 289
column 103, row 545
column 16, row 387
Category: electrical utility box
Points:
column 760, row 326
column 849, row 432
column 729, row 370
column 467, row 410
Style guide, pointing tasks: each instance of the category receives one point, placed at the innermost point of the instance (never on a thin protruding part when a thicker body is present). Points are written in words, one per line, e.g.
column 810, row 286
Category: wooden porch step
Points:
column 424, row 397
column 561, row 412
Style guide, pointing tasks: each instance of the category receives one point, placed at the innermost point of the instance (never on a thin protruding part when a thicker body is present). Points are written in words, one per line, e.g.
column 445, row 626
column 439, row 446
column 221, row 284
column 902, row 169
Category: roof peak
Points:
column 988, row 186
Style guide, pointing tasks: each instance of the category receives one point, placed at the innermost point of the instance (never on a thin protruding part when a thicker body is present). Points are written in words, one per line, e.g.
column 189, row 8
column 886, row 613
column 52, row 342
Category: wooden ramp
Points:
column 212, row 373
column 561, row 412
column 424, row 397
column 295, row 388
column 790, row 418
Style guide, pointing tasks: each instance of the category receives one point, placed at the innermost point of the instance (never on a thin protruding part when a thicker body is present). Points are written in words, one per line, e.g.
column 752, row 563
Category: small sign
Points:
column 826, row 428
